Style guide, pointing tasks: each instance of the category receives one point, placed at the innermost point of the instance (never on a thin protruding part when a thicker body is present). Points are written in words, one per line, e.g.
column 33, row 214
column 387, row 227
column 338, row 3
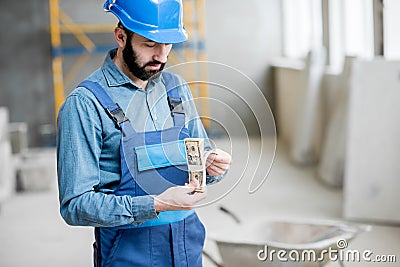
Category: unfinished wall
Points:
column 245, row 35
column 25, row 65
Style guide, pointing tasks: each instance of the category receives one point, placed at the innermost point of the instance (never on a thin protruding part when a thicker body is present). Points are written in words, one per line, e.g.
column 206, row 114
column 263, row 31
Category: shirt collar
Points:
column 115, row 77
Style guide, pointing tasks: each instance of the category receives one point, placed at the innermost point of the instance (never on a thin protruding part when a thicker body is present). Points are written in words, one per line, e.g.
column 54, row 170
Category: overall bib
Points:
column 151, row 162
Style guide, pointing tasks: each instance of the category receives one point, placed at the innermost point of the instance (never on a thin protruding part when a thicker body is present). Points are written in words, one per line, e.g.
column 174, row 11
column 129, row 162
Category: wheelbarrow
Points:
column 276, row 243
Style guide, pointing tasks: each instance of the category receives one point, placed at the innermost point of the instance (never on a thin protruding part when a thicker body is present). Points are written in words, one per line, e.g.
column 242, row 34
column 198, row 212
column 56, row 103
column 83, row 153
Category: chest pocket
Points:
column 160, row 155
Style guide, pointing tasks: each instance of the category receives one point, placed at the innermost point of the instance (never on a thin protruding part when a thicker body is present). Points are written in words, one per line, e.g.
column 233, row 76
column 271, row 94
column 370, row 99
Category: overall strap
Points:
column 112, row 109
column 174, row 100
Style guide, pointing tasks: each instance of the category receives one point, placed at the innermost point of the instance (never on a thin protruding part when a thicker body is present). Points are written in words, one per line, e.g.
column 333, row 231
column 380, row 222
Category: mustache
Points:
column 153, row 63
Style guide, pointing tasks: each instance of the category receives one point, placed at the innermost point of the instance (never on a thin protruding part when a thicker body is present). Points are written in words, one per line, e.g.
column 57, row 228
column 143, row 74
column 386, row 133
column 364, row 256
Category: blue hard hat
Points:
column 158, row 20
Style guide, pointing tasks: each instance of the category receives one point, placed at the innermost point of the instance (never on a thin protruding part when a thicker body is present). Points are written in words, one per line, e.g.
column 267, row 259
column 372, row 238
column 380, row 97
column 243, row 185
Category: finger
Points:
column 223, row 166
column 218, row 167
column 210, row 160
column 198, row 196
column 219, row 159
column 215, row 172
column 210, row 153
column 186, row 189
column 189, row 201
column 194, row 182
column 222, row 159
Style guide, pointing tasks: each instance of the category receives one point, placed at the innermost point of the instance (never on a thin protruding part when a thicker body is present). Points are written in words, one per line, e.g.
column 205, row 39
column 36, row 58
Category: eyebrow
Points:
column 151, row 41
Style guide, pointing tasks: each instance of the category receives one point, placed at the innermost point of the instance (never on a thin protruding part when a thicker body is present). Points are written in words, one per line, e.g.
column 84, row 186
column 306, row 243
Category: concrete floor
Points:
column 33, row 234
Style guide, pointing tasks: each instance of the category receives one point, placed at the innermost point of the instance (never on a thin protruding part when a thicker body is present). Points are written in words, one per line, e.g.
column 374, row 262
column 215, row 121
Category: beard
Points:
column 131, row 60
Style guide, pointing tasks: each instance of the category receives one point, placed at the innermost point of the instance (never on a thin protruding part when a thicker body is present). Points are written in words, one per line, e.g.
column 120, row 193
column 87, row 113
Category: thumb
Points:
column 198, row 196
column 186, row 189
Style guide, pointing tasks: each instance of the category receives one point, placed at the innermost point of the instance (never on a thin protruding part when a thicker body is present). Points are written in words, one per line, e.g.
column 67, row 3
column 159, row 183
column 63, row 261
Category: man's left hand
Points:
column 218, row 162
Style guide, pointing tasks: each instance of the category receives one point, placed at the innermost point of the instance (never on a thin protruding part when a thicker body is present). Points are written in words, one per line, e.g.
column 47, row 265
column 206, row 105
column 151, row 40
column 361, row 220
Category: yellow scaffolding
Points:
column 193, row 50
column 58, row 83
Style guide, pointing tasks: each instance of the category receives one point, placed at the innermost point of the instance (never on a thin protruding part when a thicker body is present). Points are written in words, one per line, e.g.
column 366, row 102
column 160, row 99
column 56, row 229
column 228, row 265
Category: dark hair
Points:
column 129, row 33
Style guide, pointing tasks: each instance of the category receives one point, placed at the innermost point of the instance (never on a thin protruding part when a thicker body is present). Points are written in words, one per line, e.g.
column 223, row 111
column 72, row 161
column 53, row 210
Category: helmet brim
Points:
column 164, row 36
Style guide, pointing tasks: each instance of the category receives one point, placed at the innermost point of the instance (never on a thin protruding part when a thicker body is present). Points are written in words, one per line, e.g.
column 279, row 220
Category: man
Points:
column 119, row 147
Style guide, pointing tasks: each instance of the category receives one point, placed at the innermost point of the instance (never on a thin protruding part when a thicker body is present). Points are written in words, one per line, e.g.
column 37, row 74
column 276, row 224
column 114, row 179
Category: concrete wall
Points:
column 245, row 35
column 288, row 75
column 25, row 66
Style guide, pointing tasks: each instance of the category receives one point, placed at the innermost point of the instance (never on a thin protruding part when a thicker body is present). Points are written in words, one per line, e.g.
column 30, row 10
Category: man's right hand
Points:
column 178, row 198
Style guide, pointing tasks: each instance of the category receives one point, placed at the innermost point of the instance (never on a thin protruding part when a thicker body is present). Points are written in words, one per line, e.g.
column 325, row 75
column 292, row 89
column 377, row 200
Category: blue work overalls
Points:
column 151, row 162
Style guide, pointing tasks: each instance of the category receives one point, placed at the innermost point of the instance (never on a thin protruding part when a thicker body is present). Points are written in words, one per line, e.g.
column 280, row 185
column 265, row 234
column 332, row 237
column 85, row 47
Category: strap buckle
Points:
column 116, row 114
column 175, row 105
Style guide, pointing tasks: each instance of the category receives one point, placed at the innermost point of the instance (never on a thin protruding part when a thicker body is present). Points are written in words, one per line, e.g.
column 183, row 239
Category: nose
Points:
column 161, row 52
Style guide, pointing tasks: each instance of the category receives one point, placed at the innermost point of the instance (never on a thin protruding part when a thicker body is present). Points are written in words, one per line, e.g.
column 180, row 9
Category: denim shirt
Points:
column 88, row 159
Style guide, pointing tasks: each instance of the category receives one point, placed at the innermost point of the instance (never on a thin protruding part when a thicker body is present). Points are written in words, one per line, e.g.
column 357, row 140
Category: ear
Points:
column 120, row 36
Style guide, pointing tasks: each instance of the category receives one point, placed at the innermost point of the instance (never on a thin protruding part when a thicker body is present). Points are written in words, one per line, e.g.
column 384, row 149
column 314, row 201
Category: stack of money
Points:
column 196, row 162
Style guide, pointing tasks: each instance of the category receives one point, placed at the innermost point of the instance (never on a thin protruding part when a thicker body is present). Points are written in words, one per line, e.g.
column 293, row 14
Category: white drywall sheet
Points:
column 372, row 175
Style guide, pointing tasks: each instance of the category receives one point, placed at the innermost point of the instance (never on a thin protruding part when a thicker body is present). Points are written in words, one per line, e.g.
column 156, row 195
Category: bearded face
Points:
column 140, row 68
